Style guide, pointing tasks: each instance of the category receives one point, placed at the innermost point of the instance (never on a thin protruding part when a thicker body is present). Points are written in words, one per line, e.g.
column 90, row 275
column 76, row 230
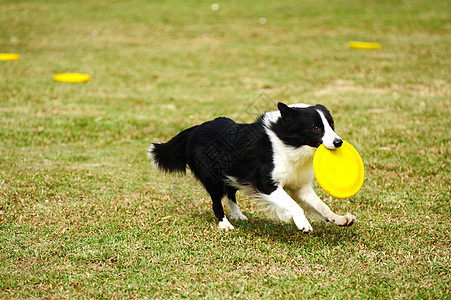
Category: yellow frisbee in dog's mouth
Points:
column 71, row 77
column 339, row 172
column 9, row 56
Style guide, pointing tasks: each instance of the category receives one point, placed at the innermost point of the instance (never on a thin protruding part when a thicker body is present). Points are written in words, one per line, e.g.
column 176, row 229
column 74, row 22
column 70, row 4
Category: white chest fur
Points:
column 293, row 167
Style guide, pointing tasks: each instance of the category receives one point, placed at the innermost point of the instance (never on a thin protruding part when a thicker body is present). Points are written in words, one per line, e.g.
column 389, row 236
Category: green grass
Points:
column 83, row 214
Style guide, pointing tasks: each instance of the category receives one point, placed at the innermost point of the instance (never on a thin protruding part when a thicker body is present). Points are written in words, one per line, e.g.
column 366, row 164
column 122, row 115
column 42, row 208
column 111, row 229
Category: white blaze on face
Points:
column 329, row 136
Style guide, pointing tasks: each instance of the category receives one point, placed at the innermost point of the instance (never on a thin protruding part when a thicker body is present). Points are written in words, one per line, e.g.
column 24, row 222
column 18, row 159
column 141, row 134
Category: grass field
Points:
column 83, row 214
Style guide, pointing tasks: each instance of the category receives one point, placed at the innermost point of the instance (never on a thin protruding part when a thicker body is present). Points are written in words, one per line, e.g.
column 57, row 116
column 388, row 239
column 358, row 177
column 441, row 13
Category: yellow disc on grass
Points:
column 339, row 172
column 364, row 45
column 71, row 77
column 9, row 56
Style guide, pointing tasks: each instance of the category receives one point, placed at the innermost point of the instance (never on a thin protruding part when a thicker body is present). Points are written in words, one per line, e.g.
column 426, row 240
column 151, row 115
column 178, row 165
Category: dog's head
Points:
column 301, row 125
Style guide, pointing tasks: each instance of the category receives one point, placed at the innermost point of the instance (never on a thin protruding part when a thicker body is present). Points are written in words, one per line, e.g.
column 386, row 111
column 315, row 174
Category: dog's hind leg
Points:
column 235, row 212
column 216, row 194
column 315, row 207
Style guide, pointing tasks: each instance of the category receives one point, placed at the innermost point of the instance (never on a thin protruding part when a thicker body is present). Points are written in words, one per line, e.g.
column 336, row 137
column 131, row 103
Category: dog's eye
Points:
column 316, row 129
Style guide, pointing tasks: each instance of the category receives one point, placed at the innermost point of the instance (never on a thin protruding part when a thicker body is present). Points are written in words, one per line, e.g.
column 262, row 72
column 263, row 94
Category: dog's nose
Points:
column 338, row 143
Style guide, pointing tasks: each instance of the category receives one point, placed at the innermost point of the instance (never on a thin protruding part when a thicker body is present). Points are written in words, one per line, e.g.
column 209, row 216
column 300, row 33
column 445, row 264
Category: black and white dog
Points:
column 271, row 160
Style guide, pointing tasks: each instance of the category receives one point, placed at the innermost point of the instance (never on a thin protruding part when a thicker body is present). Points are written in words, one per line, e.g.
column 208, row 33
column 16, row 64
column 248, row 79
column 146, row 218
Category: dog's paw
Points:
column 225, row 224
column 344, row 221
column 302, row 224
column 238, row 217
column 350, row 220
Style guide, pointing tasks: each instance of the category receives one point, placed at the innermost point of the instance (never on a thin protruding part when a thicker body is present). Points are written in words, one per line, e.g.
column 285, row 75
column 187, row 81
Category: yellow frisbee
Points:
column 9, row 56
column 364, row 45
column 339, row 172
column 71, row 77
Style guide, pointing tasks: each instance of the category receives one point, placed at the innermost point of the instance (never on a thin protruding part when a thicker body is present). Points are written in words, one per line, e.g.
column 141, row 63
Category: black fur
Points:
column 217, row 149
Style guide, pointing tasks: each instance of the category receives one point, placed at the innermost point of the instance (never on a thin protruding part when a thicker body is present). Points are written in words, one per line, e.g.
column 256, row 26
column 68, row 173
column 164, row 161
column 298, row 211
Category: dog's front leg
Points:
column 315, row 207
column 286, row 209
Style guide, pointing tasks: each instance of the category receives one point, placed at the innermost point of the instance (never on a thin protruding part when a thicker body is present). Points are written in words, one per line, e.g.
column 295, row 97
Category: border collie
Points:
column 270, row 160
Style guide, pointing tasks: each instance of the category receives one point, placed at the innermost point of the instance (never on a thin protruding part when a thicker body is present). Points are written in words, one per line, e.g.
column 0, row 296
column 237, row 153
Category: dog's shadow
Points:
column 327, row 234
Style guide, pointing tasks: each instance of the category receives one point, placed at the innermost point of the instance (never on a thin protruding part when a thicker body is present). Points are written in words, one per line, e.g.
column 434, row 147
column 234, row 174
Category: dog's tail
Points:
column 170, row 156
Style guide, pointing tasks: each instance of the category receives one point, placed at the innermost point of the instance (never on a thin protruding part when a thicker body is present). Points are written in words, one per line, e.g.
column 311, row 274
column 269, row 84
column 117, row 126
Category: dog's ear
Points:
column 285, row 110
column 322, row 108
column 327, row 114
column 287, row 114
